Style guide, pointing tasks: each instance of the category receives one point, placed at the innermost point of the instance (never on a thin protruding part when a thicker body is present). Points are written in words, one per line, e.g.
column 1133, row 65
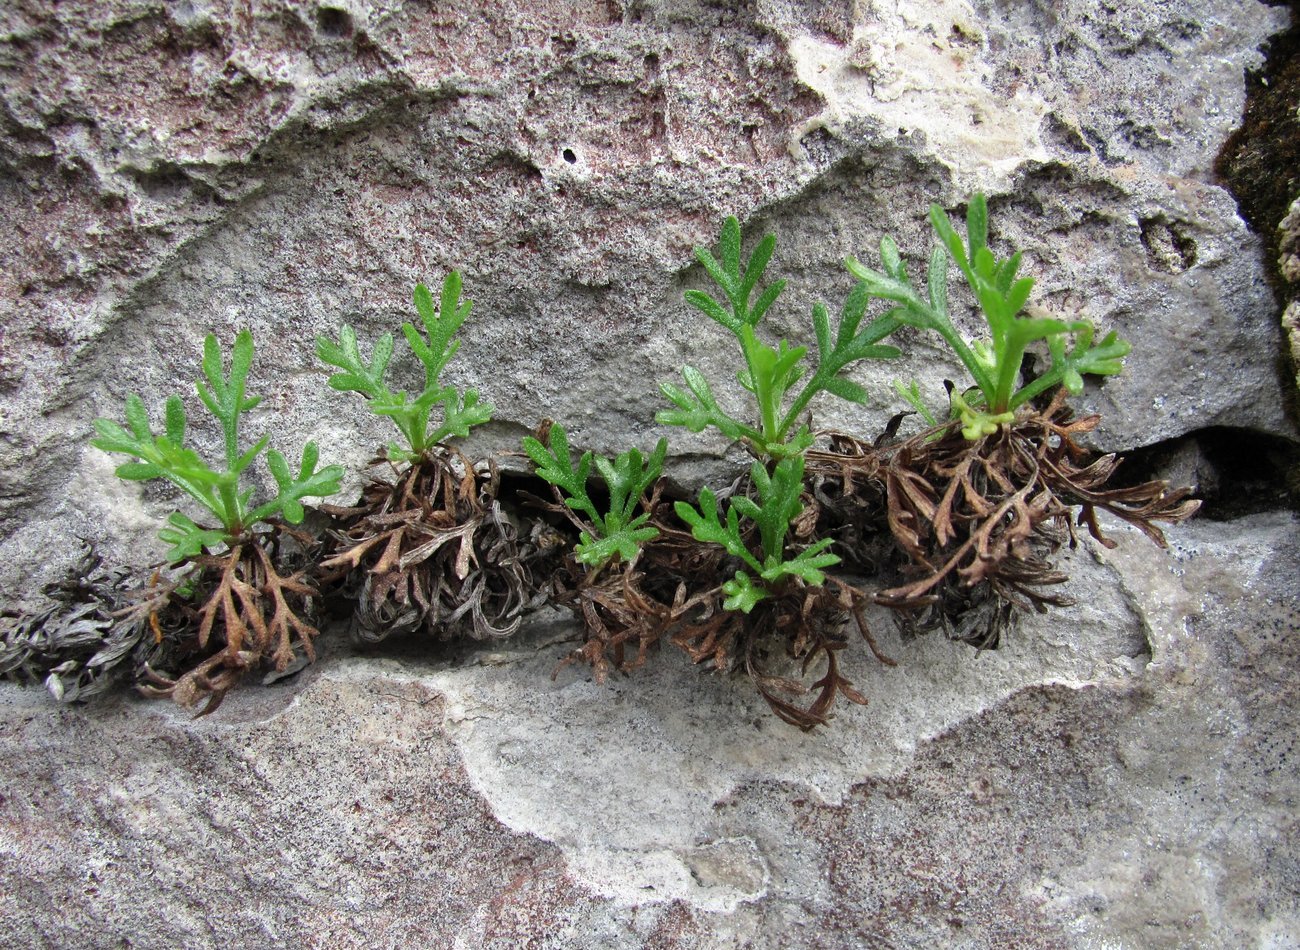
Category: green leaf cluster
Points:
column 618, row 532
column 772, row 374
column 777, row 505
column 411, row 415
column 217, row 490
column 994, row 364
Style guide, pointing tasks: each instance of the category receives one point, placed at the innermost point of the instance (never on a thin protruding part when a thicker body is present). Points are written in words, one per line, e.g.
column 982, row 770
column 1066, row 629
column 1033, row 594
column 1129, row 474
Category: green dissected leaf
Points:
column 434, row 346
column 741, row 593
column 555, row 465
column 308, row 483
column 224, row 395
column 776, row 506
column 617, row 533
column 995, row 365
column 705, row 526
column 188, row 539
column 165, row 456
column 806, row 565
column 621, row 545
column 460, row 414
column 771, row 374
column 1068, row 367
column 699, row 409
column 357, row 376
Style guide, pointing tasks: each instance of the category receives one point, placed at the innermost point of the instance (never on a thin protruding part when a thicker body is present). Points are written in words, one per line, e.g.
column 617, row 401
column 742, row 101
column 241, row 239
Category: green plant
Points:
column 218, row 490
column 771, row 375
column 993, row 364
column 777, row 506
column 618, row 533
column 460, row 412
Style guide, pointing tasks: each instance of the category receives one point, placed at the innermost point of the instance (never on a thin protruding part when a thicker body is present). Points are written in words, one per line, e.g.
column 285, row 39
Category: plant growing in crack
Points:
column 731, row 580
column 434, row 348
column 617, row 534
column 257, row 611
column 772, row 374
column 994, row 363
column 431, row 547
column 976, row 516
column 774, row 509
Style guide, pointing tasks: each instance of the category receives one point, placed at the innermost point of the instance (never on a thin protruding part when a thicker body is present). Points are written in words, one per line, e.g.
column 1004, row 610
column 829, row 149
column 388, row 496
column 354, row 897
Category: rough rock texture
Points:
column 176, row 169
column 1261, row 164
column 1288, row 266
column 1127, row 799
column 1119, row 774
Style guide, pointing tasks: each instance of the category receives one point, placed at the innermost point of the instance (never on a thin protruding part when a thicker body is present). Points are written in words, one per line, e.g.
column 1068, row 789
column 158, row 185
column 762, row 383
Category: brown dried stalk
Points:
column 435, row 549
column 250, row 613
column 977, row 522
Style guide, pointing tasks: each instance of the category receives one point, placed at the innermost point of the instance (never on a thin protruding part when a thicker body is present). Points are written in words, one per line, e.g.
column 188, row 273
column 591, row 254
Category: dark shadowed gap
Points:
column 1235, row 472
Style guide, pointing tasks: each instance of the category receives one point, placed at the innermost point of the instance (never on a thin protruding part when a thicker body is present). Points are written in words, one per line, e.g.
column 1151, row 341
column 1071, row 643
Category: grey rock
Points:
column 1120, row 773
column 1288, row 266
column 173, row 171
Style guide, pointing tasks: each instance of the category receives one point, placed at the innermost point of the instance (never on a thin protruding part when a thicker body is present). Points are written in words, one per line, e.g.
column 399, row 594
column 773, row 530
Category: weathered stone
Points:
column 175, row 170
column 1119, row 773
column 1288, row 266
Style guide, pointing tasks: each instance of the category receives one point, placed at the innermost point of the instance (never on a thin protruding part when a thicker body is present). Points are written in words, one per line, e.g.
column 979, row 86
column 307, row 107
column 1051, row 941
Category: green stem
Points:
column 1039, row 385
column 201, row 497
column 1008, row 370
column 767, row 408
column 968, row 357
column 815, row 385
column 231, row 517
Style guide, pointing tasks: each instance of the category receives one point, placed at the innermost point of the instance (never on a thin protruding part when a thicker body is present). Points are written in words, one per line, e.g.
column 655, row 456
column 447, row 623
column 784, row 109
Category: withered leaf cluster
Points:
column 966, row 529
column 247, row 612
column 77, row 643
column 435, row 549
column 974, row 524
column 958, row 535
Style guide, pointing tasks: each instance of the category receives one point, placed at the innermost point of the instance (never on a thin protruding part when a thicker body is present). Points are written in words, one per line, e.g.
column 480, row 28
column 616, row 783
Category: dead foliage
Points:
column 190, row 636
column 673, row 590
column 434, row 548
column 975, row 524
column 84, row 638
column 230, row 615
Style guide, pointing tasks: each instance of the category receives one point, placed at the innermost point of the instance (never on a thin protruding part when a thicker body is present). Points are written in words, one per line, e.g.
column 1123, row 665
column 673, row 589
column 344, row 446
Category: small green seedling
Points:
column 619, row 533
column 218, row 490
column 460, row 413
column 994, row 364
column 777, row 506
column 771, row 375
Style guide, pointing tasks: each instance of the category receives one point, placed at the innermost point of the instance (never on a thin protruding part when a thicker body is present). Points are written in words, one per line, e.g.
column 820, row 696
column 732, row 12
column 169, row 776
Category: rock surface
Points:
column 171, row 170
column 1288, row 266
column 1120, row 773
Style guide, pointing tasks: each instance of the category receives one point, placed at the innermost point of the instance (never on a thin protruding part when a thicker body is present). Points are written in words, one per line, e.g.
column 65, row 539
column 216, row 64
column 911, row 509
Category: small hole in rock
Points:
column 570, row 156
column 334, row 22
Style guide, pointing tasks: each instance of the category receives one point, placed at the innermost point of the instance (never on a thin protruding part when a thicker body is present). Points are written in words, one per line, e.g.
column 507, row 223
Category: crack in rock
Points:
column 626, row 777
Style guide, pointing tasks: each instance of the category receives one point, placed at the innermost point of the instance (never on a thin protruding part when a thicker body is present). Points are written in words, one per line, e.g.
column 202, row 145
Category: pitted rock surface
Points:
column 172, row 170
column 1120, row 773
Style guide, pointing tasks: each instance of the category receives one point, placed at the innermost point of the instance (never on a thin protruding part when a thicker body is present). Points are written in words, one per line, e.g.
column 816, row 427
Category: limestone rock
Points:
column 1120, row 773
column 1289, row 267
column 173, row 170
